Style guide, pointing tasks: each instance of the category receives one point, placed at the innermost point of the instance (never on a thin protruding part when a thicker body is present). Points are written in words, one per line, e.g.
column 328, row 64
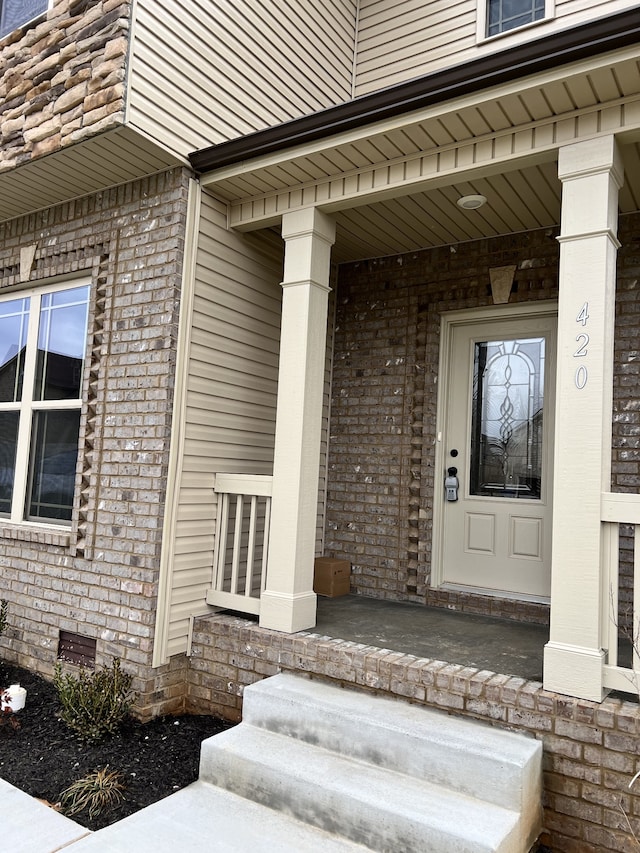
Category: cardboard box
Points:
column 331, row 577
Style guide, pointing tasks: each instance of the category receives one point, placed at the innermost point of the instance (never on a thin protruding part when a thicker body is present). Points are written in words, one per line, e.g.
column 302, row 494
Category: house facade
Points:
column 267, row 296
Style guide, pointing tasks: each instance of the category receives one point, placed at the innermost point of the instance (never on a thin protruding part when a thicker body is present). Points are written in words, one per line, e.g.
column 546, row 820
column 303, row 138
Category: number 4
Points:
column 583, row 316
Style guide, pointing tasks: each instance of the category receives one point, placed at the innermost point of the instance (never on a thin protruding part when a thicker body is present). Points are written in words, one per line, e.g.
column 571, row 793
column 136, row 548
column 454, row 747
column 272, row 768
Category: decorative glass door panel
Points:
column 497, row 437
column 507, row 418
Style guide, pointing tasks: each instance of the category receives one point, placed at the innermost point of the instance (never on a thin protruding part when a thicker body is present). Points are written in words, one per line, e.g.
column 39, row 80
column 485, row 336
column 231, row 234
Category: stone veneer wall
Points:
column 62, row 80
column 99, row 578
column 383, row 415
column 590, row 749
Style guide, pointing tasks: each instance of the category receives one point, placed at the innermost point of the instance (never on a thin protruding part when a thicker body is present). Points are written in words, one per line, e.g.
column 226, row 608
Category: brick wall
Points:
column 590, row 749
column 62, row 80
column 383, row 418
column 626, row 395
column 99, row 578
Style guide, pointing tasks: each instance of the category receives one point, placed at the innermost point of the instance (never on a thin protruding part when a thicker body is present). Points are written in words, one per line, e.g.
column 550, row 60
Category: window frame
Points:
column 26, row 23
column 482, row 20
column 27, row 406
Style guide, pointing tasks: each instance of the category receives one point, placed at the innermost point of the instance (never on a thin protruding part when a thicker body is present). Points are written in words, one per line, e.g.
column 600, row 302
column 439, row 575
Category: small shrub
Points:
column 94, row 703
column 4, row 609
column 95, row 792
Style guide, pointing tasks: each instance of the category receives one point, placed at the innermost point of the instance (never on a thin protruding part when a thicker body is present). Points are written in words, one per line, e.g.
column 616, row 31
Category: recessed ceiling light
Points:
column 471, row 202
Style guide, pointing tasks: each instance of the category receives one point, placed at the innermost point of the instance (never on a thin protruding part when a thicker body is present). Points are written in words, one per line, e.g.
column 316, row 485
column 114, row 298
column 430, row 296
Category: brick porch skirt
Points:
column 590, row 749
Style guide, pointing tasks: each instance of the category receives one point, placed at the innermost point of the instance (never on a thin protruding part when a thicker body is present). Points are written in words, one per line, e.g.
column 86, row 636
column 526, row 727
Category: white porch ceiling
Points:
column 521, row 200
column 480, row 138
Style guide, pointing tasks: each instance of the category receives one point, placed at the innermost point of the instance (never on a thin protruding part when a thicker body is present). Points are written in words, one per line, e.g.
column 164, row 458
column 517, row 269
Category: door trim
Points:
column 448, row 321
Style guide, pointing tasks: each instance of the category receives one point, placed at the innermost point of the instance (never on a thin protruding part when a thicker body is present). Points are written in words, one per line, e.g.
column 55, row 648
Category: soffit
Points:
column 112, row 158
column 524, row 193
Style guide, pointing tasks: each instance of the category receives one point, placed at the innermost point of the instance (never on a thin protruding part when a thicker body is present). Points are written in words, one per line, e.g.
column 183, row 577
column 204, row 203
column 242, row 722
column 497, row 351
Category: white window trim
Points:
column 28, row 21
column 28, row 405
column 481, row 22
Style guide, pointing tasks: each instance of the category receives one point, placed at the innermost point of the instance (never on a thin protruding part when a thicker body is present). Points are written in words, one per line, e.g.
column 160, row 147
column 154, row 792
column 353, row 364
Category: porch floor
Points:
column 498, row 645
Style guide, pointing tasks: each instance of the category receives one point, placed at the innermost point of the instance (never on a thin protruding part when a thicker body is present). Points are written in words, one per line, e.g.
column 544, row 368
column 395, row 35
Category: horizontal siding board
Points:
column 231, row 356
column 238, row 301
column 229, row 413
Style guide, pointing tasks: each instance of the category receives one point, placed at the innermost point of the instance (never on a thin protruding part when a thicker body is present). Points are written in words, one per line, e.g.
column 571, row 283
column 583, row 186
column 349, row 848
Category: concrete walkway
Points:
column 29, row 826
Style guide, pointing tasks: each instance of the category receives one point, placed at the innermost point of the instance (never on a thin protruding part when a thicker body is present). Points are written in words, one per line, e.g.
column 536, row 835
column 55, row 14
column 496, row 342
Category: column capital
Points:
column 309, row 221
column 591, row 157
column 308, row 235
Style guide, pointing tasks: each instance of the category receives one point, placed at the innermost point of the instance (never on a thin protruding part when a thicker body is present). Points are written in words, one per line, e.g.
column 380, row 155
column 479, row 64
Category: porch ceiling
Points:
column 520, row 200
column 501, row 143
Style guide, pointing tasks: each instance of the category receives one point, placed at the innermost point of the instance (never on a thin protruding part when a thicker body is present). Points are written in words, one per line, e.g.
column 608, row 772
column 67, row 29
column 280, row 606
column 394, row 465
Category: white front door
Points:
column 498, row 422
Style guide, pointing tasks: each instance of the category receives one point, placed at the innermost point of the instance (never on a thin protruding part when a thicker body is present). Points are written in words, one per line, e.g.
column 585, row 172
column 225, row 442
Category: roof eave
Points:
column 571, row 45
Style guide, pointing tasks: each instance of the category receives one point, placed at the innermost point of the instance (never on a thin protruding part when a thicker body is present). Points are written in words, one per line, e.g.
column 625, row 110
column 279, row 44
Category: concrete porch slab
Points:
column 484, row 642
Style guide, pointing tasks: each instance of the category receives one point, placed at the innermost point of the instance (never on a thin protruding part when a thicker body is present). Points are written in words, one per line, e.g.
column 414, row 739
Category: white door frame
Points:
column 448, row 321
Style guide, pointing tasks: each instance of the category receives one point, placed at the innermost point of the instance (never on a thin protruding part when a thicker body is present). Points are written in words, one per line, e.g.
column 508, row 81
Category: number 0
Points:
column 581, row 377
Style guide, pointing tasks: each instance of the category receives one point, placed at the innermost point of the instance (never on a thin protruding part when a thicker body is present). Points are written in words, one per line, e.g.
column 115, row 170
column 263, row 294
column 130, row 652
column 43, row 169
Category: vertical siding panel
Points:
column 203, row 72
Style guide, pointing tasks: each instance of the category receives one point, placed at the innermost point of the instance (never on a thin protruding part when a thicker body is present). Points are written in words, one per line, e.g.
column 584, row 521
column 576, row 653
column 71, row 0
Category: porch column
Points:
column 289, row 602
column 591, row 175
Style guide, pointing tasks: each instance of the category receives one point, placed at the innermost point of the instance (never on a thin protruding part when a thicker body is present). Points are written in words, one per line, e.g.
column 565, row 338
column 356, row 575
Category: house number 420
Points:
column 582, row 340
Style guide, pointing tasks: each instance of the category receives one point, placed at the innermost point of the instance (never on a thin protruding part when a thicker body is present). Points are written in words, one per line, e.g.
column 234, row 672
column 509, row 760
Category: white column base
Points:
column 574, row 671
column 281, row 611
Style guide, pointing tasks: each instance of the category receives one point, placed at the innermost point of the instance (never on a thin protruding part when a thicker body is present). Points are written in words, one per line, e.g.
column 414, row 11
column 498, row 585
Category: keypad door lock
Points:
column 451, row 485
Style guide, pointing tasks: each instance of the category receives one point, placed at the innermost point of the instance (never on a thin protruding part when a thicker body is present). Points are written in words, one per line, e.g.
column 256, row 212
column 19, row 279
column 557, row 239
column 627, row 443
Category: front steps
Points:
column 314, row 768
column 383, row 774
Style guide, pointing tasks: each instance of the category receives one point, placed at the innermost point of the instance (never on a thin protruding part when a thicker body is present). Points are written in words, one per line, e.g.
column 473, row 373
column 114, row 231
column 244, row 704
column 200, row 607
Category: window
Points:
column 43, row 337
column 16, row 13
column 504, row 15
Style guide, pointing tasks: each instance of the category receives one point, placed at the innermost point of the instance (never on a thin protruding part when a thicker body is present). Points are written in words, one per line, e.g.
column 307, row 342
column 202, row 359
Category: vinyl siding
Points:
column 398, row 41
column 203, row 72
column 230, row 405
column 231, row 394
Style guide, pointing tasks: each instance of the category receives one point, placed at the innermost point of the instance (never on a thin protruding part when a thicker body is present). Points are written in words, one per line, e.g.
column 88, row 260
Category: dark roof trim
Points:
column 605, row 34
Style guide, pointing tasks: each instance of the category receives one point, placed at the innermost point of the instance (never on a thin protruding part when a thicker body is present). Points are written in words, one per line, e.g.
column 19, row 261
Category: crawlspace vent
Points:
column 75, row 648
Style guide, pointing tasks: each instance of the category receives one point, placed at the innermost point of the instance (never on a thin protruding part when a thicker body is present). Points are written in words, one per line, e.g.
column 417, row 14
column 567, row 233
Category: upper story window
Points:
column 43, row 335
column 504, row 15
column 16, row 13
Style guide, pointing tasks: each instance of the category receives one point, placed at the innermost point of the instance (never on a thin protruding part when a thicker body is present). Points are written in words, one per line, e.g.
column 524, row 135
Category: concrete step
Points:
column 204, row 818
column 316, row 768
column 381, row 809
column 466, row 756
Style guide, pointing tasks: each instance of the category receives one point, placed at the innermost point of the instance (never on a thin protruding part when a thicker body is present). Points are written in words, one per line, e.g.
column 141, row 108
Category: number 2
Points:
column 582, row 349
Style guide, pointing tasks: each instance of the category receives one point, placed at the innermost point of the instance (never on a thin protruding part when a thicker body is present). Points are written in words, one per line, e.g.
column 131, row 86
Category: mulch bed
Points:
column 43, row 757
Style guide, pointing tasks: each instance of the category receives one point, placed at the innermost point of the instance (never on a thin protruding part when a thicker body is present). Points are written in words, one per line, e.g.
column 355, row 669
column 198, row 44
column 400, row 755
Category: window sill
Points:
column 38, row 534
column 516, row 31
